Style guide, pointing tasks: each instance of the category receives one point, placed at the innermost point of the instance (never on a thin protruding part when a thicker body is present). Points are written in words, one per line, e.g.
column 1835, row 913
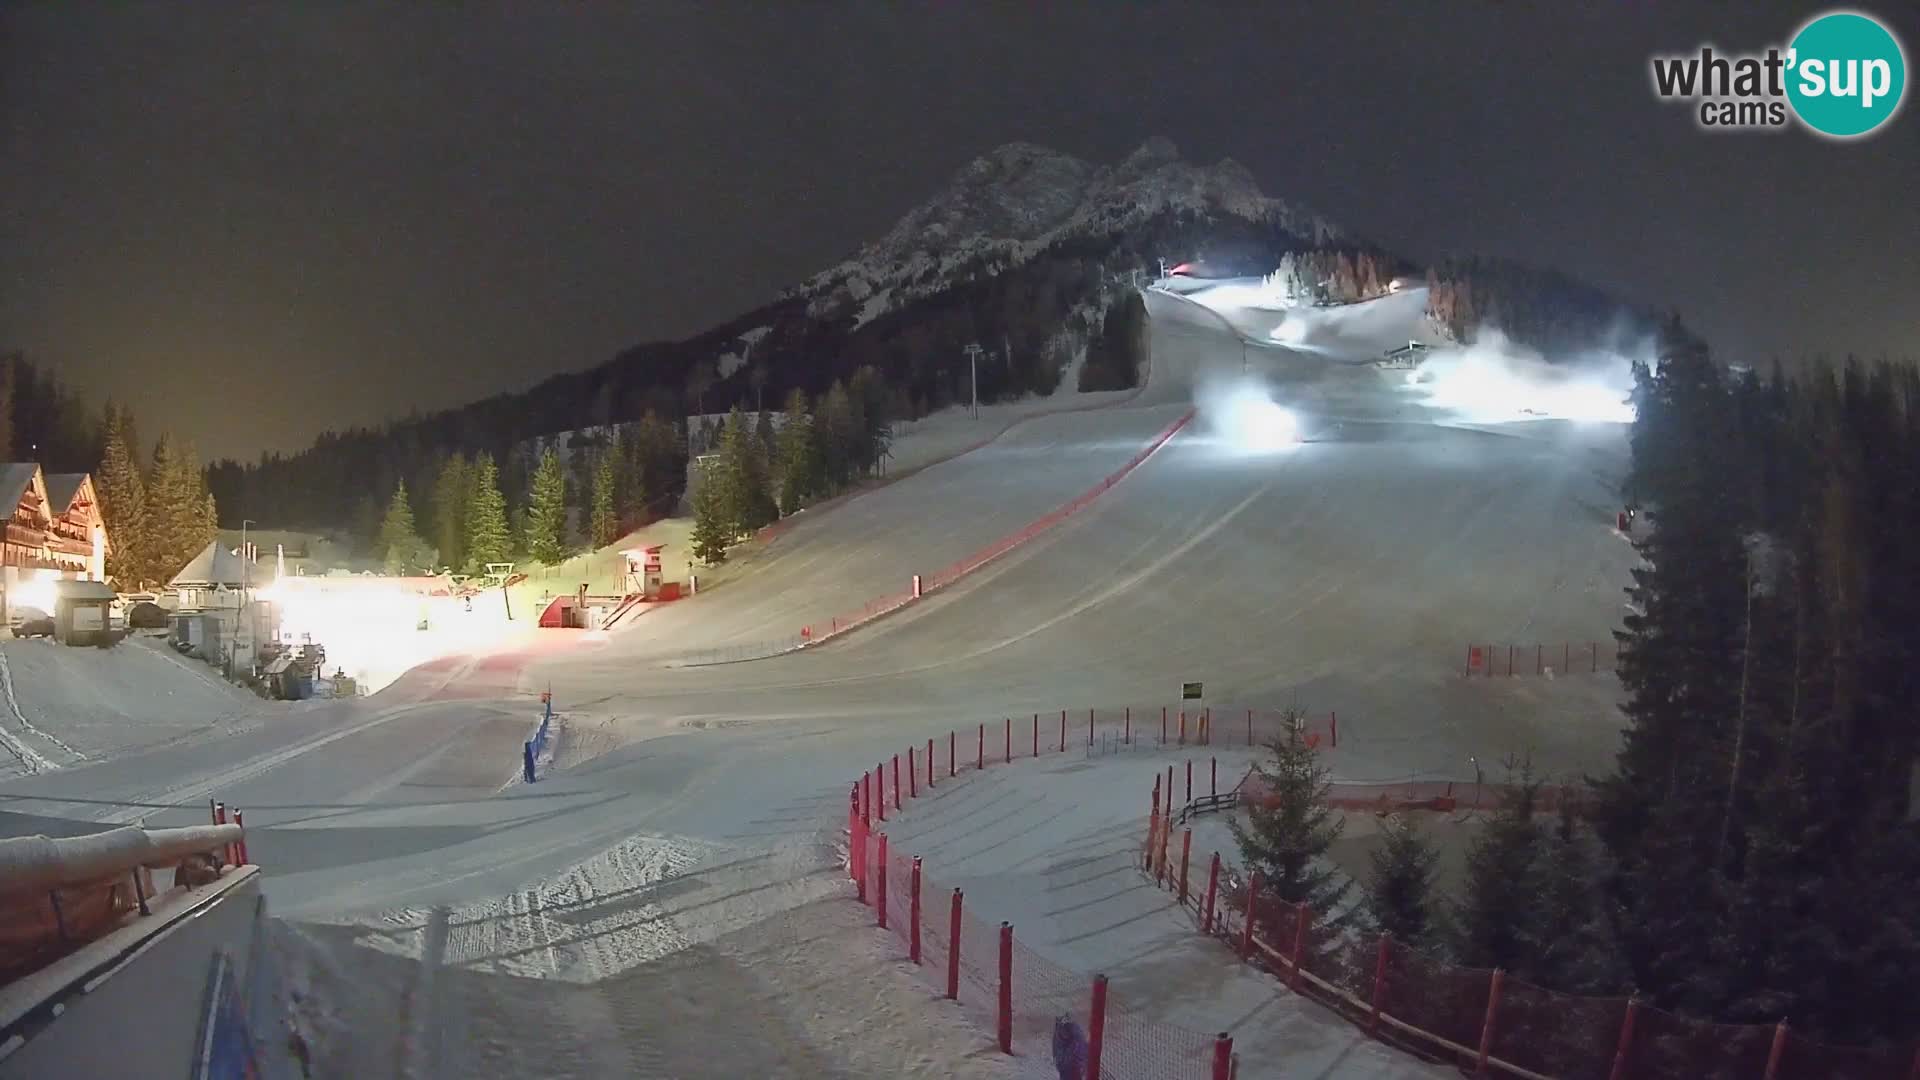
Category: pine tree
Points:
column 546, row 527
column 798, row 455
column 1287, row 833
column 743, row 472
column 838, row 438
column 1571, row 944
column 400, row 545
column 123, row 505
column 711, row 531
column 605, row 520
column 176, row 508
column 487, row 538
column 1400, row 888
column 1493, row 922
column 451, row 489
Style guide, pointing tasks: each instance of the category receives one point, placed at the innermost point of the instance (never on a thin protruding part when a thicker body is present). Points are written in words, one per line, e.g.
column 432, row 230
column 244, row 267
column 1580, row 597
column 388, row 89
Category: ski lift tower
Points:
column 497, row 575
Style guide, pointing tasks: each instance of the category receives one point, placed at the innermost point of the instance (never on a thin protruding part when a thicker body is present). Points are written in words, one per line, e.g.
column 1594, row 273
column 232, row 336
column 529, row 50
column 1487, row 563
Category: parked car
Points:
column 33, row 623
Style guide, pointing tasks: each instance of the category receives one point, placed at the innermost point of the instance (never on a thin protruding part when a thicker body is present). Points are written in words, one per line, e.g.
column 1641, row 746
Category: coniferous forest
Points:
column 1760, row 820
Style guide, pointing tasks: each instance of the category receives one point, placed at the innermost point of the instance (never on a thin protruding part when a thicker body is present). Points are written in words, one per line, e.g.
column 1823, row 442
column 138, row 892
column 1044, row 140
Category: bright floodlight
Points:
column 1247, row 419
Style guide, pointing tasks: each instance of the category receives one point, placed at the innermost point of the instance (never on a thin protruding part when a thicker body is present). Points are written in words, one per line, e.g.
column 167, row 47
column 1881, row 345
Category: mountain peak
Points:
column 1008, row 204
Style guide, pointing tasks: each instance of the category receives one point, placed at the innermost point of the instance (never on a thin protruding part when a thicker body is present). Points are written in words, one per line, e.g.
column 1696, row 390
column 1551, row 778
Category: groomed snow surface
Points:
column 665, row 902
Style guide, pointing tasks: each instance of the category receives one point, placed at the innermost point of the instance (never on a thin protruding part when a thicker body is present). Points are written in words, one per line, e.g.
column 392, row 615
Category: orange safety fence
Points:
column 1469, row 1014
column 1037, row 990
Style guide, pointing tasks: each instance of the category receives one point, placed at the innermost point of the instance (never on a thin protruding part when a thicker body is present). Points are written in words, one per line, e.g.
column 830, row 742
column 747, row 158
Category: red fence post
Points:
column 1006, row 988
column 857, row 860
column 1186, row 847
column 853, row 809
column 1302, row 915
column 1128, row 738
column 1183, row 727
column 1509, row 661
column 913, row 938
column 1009, row 747
column 1213, row 776
column 953, row 949
column 929, row 763
column 1777, row 1051
column 1063, row 731
column 1163, row 725
column 1036, row 734
column 1166, row 838
column 1213, row 890
column 1625, row 1046
column 1593, row 647
column 241, row 844
column 880, row 789
column 1189, row 780
column 913, row 775
column 1486, row 1026
column 1253, row 904
column 1333, row 727
column 953, row 765
column 1223, row 1057
column 1089, row 727
column 880, row 886
column 896, row 782
column 982, row 762
column 1096, row 1026
column 1206, row 725
column 1379, row 981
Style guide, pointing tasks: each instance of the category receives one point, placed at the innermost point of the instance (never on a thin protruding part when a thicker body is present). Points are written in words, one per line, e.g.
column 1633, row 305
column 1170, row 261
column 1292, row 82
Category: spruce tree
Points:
column 546, row 527
column 798, row 455
column 711, row 531
column 839, row 438
column 604, row 522
column 176, row 508
column 400, row 545
column 1286, row 833
column 487, row 538
column 1400, row 887
column 1493, row 922
column 123, row 505
column 451, row 489
column 1571, row 942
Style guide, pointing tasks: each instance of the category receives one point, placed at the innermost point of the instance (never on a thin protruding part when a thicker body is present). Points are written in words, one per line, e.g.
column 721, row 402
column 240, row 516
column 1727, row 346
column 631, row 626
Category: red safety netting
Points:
column 1557, row 1034
column 1804, row 1059
column 1436, row 998
column 1538, row 659
column 1039, row 989
column 1666, row 1046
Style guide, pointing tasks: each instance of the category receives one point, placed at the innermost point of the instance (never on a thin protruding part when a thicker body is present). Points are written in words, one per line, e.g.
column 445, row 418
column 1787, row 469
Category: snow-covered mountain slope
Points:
column 1010, row 204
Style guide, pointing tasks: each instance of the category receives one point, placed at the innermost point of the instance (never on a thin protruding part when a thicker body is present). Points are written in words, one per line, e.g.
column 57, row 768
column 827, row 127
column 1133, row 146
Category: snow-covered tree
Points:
column 1288, row 830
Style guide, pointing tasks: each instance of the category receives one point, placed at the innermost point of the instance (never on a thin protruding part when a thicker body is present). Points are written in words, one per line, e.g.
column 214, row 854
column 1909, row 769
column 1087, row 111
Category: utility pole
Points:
column 973, row 368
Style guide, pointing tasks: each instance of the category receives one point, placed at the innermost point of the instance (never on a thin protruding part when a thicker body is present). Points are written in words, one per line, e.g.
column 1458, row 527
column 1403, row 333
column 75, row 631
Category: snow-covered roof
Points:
column 61, row 489
column 15, row 478
column 216, row 565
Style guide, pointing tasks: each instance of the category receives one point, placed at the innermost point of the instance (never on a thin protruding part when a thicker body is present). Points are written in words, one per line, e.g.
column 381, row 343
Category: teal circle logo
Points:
column 1846, row 74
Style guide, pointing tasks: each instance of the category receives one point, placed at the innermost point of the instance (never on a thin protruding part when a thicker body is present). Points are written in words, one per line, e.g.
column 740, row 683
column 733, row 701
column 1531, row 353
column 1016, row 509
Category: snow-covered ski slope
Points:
column 1349, row 573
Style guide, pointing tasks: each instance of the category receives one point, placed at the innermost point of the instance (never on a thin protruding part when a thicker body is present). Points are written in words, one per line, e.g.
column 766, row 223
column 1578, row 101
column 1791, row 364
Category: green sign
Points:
column 1189, row 691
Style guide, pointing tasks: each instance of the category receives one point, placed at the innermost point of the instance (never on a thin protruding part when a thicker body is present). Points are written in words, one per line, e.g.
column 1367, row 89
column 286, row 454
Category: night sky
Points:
column 258, row 222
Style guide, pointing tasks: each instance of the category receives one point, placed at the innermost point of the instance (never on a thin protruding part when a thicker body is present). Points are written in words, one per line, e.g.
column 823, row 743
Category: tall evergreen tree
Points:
column 1400, row 886
column 488, row 540
column 546, row 538
column 839, row 437
column 712, row 532
column 604, row 523
column 798, row 455
column 452, row 487
column 742, row 470
column 1286, row 833
column 1492, row 922
column 123, row 505
column 179, row 519
column 400, row 544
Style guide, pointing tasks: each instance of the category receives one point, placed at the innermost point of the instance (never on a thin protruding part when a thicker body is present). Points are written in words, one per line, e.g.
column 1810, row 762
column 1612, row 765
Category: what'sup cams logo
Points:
column 1842, row 76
